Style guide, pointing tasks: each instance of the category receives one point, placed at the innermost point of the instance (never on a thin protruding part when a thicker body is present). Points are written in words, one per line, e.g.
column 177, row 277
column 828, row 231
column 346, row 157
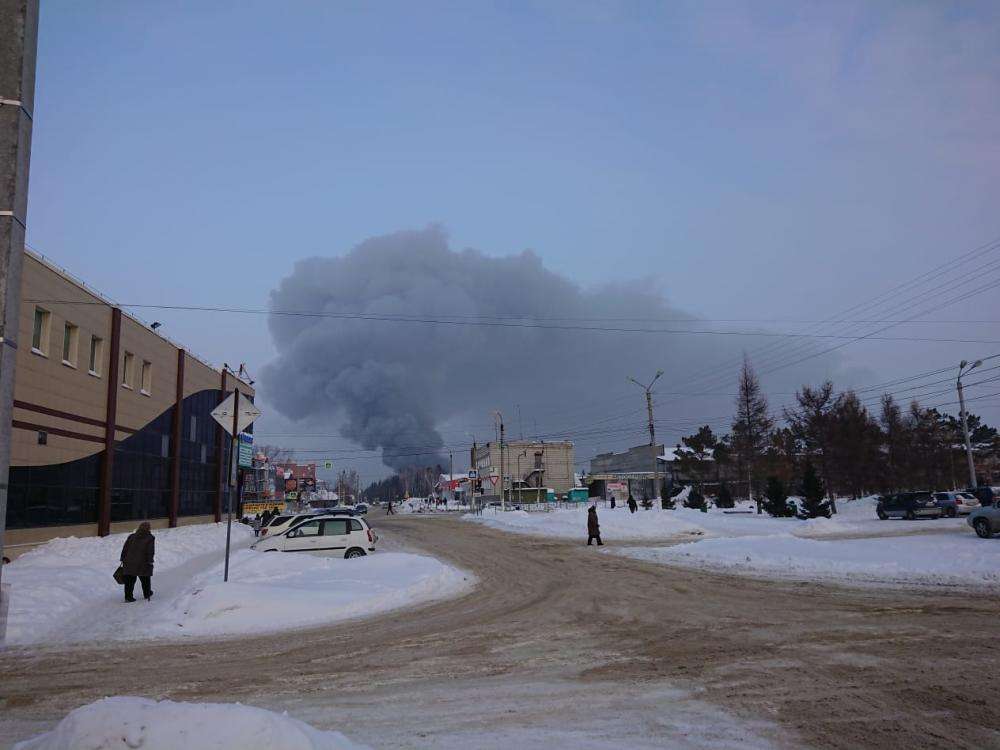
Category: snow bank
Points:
column 271, row 591
column 854, row 517
column 961, row 559
column 124, row 722
column 63, row 592
column 572, row 523
column 64, row 576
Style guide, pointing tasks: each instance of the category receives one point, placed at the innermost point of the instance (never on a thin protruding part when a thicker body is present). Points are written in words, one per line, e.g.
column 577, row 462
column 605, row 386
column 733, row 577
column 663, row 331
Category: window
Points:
column 96, row 355
column 335, row 527
column 356, row 525
column 538, row 460
column 164, row 446
column 40, row 332
column 71, row 337
column 194, row 429
column 309, row 528
column 146, row 381
column 43, row 437
column 127, row 369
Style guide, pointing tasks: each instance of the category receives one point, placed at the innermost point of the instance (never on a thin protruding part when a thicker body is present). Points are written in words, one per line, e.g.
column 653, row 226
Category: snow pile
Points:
column 66, row 576
column 125, row 722
column 572, row 523
column 63, row 592
column 269, row 591
column 855, row 517
column 953, row 559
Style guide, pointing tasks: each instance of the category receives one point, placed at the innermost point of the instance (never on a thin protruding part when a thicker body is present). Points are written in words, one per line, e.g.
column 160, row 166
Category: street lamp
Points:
column 964, row 369
column 503, row 496
column 652, row 430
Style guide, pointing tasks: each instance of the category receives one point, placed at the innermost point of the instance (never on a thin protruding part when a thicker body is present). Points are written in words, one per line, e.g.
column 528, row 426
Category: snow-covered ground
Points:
column 925, row 559
column 63, row 591
column 854, row 517
column 125, row 722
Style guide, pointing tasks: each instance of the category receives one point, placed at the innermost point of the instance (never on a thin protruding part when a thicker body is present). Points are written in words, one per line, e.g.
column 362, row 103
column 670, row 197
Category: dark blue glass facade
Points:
column 61, row 494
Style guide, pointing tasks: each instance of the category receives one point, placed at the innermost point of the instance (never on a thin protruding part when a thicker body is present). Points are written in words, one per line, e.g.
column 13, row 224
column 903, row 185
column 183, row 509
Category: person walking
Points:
column 613, row 500
column 593, row 527
column 389, row 511
column 137, row 561
column 632, row 505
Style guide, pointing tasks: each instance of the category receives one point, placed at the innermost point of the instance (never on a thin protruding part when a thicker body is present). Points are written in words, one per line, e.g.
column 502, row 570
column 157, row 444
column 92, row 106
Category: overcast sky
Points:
column 751, row 161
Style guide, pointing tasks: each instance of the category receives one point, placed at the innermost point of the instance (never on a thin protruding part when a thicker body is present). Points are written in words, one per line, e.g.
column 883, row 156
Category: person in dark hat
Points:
column 137, row 561
column 593, row 527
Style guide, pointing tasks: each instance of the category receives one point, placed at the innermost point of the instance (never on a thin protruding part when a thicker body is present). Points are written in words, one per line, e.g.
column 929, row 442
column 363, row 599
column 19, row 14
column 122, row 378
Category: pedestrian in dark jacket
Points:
column 389, row 511
column 593, row 527
column 632, row 505
column 137, row 561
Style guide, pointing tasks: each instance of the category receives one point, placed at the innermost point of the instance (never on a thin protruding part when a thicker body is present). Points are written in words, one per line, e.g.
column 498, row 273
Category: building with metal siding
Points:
column 111, row 420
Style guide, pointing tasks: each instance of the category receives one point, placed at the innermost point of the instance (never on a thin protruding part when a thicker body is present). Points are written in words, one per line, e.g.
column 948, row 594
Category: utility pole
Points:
column 451, row 475
column 965, row 421
column 19, row 27
column 652, row 432
column 503, row 495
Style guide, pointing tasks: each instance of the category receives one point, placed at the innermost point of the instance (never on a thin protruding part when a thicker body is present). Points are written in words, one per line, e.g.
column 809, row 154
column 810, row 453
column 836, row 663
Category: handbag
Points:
column 119, row 576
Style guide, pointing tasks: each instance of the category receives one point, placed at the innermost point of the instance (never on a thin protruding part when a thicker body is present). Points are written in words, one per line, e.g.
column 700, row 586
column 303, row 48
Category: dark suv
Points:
column 908, row 505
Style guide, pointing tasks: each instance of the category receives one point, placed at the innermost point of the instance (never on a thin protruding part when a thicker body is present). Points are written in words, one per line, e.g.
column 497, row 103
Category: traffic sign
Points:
column 494, row 478
column 473, row 474
column 328, row 464
column 246, row 450
column 223, row 413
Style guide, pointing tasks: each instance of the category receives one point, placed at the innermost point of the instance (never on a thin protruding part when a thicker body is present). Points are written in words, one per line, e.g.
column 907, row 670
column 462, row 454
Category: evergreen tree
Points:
column 810, row 423
column 752, row 426
column 812, row 492
column 777, row 499
column 725, row 498
column 666, row 501
column 695, row 499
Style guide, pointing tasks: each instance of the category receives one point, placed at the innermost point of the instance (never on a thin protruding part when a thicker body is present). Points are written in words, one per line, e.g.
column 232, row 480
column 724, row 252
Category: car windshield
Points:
column 966, row 496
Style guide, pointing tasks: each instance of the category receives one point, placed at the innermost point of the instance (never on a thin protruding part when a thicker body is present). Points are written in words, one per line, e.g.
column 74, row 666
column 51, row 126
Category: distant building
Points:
column 111, row 421
column 627, row 472
column 533, row 463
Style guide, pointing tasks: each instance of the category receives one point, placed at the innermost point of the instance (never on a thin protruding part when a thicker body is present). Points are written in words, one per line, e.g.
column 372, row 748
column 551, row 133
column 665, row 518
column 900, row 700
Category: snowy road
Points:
column 561, row 645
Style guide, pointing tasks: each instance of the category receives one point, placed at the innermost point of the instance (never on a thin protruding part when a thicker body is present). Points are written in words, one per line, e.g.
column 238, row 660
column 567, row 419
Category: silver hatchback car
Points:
column 986, row 520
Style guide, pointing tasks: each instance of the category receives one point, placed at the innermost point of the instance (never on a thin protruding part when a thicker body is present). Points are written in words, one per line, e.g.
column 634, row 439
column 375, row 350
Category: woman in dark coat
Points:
column 593, row 527
column 137, row 561
column 632, row 505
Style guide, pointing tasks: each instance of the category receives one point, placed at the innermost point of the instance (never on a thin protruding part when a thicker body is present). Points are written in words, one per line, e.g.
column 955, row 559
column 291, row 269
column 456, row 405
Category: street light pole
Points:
column 503, row 495
column 652, row 429
column 965, row 422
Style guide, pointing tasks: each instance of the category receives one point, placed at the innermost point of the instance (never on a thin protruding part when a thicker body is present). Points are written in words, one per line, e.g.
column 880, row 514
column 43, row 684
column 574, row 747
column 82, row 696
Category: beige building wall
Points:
column 519, row 455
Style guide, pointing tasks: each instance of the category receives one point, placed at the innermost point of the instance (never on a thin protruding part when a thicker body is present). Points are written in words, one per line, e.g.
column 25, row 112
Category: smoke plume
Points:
column 413, row 388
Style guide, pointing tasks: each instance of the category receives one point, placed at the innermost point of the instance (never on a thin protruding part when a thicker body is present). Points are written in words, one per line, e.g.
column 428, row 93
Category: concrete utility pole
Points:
column 965, row 422
column 18, row 44
column 652, row 430
column 503, row 495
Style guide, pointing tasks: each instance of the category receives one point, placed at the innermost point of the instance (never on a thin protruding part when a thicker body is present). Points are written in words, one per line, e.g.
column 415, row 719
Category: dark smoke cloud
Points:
column 395, row 386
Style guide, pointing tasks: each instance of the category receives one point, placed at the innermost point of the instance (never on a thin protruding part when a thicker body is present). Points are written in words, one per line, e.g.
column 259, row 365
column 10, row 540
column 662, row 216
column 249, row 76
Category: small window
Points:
column 204, row 454
column 538, row 460
column 335, row 527
column 164, row 446
column 71, row 337
column 128, row 365
column 309, row 528
column 40, row 332
column 194, row 429
column 356, row 525
column 96, row 355
column 43, row 437
column 146, row 381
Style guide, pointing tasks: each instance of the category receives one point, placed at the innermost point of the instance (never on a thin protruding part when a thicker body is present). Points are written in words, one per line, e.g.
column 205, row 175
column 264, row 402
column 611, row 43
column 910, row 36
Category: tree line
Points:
column 855, row 452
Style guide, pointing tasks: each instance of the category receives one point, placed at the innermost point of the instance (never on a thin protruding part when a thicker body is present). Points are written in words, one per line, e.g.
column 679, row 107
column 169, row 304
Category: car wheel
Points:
column 881, row 514
column 982, row 527
column 910, row 516
column 354, row 552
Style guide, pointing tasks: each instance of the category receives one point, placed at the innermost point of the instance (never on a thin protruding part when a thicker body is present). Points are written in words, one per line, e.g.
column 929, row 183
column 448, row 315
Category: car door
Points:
column 359, row 536
column 303, row 538
column 335, row 535
column 891, row 506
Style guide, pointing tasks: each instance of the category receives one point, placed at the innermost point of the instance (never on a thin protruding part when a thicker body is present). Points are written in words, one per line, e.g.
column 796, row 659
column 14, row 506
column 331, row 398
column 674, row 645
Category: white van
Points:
column 323, row 533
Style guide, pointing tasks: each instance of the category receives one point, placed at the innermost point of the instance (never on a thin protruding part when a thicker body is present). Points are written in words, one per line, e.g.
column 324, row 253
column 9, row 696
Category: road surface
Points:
column 563, row 645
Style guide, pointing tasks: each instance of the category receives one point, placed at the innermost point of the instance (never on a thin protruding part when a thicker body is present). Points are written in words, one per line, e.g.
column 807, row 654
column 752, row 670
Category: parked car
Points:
column 908, row 505
column 985, row 520
column 282, row 523
column 361, row 508
column 985, row 495
column 956, row 503
column 328, row 532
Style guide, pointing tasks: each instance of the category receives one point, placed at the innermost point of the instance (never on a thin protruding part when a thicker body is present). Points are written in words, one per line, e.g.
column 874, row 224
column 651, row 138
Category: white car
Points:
column 323, row 533
column 957, row 503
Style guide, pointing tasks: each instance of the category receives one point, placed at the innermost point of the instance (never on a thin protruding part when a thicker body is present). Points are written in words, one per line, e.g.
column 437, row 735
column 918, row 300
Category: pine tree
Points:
column 666, row 501
column 695, row 500
column 777, row 499
column 725, row 498
column 812, row 492
column 810, row 423
column 752, row 426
